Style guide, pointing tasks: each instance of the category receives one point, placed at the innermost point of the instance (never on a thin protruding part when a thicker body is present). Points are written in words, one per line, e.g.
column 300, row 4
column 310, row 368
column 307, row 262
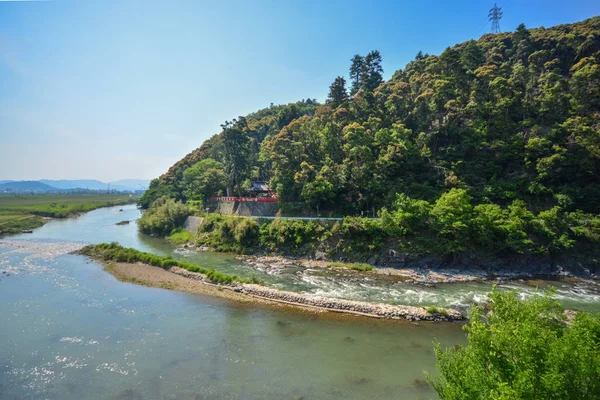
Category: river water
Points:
column 69, row 330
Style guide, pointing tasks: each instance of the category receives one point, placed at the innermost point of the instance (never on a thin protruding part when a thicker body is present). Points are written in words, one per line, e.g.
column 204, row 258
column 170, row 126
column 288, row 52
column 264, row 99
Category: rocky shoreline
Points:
column 425, row 275
column 407, row 275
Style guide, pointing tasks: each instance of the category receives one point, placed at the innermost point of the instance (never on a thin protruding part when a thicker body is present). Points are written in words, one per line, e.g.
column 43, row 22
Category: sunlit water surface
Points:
column 68, row 330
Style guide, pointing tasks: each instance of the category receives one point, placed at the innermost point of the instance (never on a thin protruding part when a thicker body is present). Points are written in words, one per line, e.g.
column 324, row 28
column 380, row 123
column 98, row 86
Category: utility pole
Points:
column 494, row 16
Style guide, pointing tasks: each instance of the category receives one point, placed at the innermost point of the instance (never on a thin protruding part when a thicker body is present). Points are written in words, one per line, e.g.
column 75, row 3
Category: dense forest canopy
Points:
column 509, row 117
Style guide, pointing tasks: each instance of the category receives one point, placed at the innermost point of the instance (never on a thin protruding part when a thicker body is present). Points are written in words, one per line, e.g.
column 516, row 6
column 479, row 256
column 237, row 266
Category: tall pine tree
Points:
column 356, row 73
column 337, row 92
column 372, row 71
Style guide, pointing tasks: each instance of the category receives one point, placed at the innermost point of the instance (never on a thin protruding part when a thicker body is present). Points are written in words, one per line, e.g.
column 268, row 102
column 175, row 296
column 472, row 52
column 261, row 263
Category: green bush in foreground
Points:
column 116, row 252
column 522, row 349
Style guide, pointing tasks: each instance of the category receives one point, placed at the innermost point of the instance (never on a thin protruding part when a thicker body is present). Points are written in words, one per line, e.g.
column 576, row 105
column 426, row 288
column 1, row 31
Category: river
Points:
column 69, row 330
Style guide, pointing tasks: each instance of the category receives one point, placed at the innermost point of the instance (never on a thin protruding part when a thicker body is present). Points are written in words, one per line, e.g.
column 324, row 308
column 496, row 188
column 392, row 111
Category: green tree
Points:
column 408, row 216
column 337, row 92
column 164, row 215
column 522, row 349
column 356, row 73
column 203, row 179
column 586, row 85
column 471, row 56
column 371, row 74
column 156, row 190
column 452, row 211
column 318, row 192
column 287, row 115
column 235, row 144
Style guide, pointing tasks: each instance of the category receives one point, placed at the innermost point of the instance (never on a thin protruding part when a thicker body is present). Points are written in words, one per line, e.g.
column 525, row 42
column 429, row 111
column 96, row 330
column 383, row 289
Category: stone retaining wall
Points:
column 243, row 208
column 192, row 224
column 256, row 209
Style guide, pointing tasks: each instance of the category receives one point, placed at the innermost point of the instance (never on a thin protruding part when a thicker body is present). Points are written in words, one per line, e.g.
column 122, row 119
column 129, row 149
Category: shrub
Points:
column 435, row 310
column 522, row 349
column 408, row 216
column 354, row 266
column 289, row 233
column 228, row 233
column 163, row 216
column 361, row 267
column 180, row 236
column 361, row 235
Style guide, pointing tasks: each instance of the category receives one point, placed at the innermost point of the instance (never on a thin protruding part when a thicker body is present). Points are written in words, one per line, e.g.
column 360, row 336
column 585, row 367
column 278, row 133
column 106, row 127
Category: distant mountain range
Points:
column 46, row 185
column 26, row 186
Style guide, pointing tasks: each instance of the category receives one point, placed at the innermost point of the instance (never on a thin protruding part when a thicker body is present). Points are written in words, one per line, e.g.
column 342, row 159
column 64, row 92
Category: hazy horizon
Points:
column 110, row 90
column 76, row 179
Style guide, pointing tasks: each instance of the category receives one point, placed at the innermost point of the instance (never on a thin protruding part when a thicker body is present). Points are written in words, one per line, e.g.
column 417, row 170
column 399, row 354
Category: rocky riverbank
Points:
column 176, row 278
column 408, row 275
column 431, row 274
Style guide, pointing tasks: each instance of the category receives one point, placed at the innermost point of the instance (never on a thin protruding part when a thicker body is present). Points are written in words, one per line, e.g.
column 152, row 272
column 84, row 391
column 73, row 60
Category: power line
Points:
column 481, row 30
column 494, row 16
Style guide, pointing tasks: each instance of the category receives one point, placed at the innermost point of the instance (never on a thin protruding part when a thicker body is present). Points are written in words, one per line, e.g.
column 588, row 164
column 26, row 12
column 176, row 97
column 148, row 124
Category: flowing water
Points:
column 69, row 330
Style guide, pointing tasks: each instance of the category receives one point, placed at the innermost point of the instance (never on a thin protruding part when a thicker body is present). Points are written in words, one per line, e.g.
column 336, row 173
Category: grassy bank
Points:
column 117, row 253
column 26, row 212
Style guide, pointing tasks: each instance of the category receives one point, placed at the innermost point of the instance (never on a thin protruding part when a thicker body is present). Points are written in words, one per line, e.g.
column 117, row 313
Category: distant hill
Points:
column 93, row 184
column 136, row 184
column 47, row 185
column 26, row 186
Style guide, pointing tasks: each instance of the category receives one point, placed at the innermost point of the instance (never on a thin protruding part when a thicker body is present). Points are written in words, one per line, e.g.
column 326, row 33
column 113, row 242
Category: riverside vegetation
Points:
column 18, row 212
column 490, row 150
column 522, row 349
column 117, row 253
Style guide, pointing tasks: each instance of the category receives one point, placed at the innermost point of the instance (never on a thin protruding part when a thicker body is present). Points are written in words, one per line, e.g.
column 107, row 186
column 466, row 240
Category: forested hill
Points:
column 258, row 125
column 511, row 116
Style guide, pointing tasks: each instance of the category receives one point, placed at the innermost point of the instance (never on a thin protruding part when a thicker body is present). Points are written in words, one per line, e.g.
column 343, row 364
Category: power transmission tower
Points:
column 495, row 15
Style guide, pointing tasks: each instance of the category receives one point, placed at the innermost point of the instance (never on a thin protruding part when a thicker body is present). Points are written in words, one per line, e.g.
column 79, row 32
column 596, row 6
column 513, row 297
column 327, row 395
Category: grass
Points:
column 19, row 212
column 363, row 267
column 435, row 310
column 16, row 223
column 180, row 236
column 118, row 253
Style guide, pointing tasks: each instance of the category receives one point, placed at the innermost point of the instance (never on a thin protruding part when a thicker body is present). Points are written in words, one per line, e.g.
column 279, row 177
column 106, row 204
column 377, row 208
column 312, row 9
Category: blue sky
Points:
column 123, row 89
